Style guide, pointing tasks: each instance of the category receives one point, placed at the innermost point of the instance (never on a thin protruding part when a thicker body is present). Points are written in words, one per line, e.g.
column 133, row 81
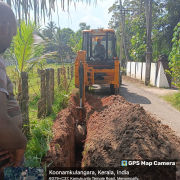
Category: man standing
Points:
column 99, row 50
column 12, row 141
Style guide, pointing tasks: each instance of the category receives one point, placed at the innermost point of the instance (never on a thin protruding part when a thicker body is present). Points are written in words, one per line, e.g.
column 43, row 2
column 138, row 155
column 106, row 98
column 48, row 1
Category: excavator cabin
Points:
column 101, row 60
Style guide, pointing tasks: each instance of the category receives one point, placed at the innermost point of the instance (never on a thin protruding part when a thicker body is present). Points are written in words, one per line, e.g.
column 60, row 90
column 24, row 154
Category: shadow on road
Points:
column 104, row 90
column 133, row 97
column 100, row 90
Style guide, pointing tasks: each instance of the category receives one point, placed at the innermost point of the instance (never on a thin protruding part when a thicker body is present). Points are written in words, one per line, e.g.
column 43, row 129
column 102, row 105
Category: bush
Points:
column 174, row 57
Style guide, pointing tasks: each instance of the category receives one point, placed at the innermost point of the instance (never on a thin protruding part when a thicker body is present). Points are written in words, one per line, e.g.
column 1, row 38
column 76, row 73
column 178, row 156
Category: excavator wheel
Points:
column 116, row 91
column 112, row 89
column 86, row 88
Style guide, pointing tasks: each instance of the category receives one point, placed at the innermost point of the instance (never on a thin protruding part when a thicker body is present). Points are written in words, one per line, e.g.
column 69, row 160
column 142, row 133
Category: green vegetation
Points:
column 173, row 99
column 174, row 57
column 29, row 56
column 65, row 41
column 24, row 50
column 165, row 16
column 41, row 129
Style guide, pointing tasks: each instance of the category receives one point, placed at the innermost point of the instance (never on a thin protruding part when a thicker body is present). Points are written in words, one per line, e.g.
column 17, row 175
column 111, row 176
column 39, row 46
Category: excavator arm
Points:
column 80, row 80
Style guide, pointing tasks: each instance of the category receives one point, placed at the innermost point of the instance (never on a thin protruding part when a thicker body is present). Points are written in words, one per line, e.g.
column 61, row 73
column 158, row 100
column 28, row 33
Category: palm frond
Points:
column 44, row 7
column 25, row 49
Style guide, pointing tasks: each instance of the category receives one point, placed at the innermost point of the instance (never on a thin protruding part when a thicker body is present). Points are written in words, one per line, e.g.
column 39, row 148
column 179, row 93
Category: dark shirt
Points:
column 99, row 49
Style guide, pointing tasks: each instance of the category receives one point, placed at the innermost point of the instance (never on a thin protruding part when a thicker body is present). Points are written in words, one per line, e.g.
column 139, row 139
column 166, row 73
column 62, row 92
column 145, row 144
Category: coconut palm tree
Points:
column 41, row 8
column 26, row 50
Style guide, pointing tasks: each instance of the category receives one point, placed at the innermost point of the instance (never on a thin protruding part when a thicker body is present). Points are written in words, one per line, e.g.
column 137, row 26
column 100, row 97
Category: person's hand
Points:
column 15, row 157
column 4, row 154
column 18, row 155
column 6, row 158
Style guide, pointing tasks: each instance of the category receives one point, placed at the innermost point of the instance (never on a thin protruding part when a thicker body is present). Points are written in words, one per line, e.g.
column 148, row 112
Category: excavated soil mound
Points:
column 119, row 130
column 116, row 130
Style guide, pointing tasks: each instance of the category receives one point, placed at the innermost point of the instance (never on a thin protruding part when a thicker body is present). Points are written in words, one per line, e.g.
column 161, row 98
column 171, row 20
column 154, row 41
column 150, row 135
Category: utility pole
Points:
column 149, row 48
column 123, row 34
column 121, row 49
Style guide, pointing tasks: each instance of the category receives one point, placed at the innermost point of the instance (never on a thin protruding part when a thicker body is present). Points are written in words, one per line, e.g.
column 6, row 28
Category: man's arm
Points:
column 11, row 136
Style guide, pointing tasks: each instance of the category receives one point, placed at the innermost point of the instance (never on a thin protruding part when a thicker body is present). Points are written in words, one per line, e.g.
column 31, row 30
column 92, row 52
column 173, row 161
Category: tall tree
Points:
column 83, row 26
column 61, row 42
column 166, row 14
column 50, row 29
column 49, row 32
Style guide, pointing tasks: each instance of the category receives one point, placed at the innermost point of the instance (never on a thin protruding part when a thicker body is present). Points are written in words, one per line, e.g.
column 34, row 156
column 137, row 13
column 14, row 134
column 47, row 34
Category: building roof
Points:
column 98, row 31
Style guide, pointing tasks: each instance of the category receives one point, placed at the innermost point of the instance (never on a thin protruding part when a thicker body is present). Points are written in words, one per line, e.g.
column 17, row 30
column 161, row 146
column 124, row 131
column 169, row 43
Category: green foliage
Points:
column 50, row 30
column 62, row 39
column 138, row 40
column 173, row 99
column 165, row 16
column 174, row 56
column 24, row 50
column 83, row 26
column 41, row 129
column 76, row 42
column 57, row 40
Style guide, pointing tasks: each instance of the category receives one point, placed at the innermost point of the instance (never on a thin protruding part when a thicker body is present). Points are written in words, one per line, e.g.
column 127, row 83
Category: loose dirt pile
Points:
column 116, row 130
column 121, row 130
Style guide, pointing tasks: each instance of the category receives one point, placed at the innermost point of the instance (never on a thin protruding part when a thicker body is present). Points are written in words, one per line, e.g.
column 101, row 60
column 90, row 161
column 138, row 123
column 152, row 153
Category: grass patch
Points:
column 173, row 99
column 34, row 78
column 41, row 129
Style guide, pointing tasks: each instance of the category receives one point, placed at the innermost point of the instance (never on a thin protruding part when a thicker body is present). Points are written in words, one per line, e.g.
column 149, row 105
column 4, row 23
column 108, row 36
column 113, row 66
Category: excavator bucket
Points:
column 81, row 113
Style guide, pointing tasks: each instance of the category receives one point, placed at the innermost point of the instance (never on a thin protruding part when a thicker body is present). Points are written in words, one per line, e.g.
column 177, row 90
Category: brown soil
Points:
column 125, row 131
column 62, row 147
column 116, row 130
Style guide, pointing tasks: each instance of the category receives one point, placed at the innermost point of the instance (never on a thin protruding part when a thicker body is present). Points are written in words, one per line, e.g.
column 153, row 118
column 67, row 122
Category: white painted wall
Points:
column 153, row 74
column 161, row 78
column 133, row 66
column 128, row 69
column 138, row 70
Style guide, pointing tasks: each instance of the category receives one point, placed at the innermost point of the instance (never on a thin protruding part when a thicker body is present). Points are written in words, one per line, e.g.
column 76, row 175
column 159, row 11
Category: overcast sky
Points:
column 93, row 15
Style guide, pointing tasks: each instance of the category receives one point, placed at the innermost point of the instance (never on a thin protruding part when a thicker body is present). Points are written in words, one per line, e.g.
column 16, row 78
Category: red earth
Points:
column 116, row 129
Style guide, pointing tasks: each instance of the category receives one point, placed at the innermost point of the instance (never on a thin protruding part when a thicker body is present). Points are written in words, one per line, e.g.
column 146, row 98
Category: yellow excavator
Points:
column 96, row 63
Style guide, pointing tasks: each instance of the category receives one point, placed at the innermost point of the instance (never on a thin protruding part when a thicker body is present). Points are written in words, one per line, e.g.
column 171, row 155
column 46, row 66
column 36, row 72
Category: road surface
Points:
column 146, row 97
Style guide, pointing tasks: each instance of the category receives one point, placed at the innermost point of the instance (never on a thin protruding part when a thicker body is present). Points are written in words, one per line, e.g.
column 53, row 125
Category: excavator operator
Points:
column 99, row 50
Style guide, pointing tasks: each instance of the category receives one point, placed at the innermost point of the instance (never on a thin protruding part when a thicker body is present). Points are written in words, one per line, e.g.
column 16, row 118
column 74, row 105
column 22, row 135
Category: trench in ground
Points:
column 78, row 155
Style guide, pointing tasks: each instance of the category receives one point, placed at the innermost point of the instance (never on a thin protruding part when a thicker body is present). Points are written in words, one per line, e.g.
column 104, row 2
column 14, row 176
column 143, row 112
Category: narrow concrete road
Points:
column 157, row 107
